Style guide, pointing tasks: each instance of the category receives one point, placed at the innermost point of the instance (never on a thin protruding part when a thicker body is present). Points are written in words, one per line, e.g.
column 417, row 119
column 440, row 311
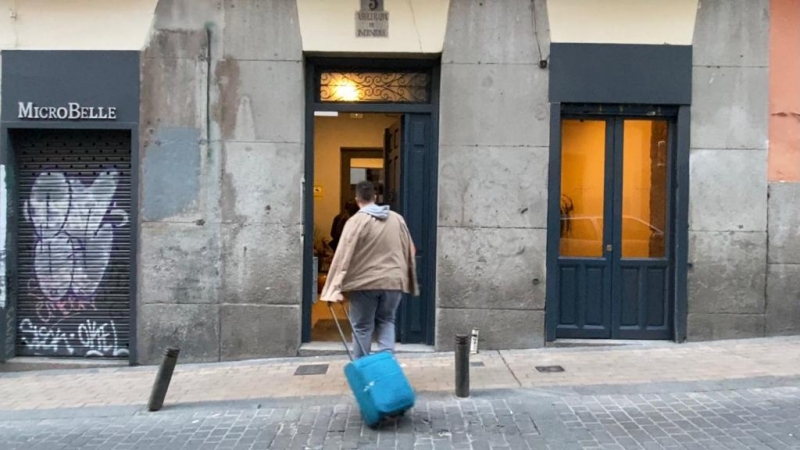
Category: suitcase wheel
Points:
column 387, row 420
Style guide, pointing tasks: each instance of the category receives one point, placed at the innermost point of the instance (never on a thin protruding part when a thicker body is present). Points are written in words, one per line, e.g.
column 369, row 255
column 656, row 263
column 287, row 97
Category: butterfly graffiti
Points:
column 73, row 233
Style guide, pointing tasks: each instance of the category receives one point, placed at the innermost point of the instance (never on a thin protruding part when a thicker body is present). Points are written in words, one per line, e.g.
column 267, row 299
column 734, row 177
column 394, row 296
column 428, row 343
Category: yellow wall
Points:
column 415, row 26
column 75, row 24
column 636, row 184
column 330, row 135
column 636, row 169
column 582, row 180
column 654, row 22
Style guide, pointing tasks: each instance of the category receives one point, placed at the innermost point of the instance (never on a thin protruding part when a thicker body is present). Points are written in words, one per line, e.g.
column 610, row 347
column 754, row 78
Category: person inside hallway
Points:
column 375, row 265
column 350, row 209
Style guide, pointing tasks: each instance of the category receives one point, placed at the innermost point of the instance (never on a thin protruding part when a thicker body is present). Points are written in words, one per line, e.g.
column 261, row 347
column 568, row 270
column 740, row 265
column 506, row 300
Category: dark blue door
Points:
column 614, row 260
column 410, row 191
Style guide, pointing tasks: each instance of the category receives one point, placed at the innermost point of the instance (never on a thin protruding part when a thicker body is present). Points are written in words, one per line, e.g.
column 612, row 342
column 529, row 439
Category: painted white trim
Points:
column 653, row 22
column 415, row 26
column 75, row 24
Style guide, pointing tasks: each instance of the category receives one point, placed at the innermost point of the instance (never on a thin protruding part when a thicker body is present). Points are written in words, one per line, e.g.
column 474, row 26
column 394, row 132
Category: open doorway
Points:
column 348, row 148
column 373, row 119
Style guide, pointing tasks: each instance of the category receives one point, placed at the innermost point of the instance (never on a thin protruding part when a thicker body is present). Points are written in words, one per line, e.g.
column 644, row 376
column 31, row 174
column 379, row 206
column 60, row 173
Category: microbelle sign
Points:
column 72, row 111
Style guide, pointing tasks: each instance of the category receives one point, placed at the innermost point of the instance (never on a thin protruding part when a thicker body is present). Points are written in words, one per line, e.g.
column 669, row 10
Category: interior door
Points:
column 408, row 189
column 614, row 260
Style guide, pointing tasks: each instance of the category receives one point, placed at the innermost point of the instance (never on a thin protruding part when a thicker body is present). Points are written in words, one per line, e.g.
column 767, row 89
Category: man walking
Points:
column 375, row 264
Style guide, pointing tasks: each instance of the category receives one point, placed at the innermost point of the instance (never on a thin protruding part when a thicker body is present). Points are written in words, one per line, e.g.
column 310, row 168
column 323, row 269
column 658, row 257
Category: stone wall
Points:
column 728, row 164
column 493, row 159
column 222, row 140
column 221, row 169
column 783, row 261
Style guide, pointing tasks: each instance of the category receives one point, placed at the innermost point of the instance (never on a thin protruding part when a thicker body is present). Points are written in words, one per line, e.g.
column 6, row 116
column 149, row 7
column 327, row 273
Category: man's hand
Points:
column 337, row 299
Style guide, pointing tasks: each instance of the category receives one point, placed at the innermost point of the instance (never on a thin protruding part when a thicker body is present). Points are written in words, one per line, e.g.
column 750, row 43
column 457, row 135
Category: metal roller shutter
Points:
column 74, row 242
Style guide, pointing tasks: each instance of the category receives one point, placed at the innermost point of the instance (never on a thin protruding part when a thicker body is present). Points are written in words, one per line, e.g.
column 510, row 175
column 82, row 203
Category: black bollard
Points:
column 462, row 365
column 163, row 378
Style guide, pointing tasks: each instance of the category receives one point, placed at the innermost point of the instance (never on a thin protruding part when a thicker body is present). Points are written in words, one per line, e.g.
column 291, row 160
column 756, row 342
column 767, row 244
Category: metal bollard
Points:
column 462, row 365
column 163, row 378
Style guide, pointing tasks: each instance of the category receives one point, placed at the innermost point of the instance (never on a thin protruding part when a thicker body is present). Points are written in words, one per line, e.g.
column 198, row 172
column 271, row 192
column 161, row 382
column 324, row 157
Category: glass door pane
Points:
column 583, row 161
column 644, row 188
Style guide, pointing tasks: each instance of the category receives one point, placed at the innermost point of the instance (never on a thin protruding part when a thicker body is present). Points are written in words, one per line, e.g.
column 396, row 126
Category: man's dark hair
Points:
column 365, row 191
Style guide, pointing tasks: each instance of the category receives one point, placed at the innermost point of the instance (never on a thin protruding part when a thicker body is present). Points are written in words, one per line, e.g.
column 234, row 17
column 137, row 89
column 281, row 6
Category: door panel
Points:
column 644, row 301
column 584, row 288
column 416, row 205
column 641, row 267
column 408, row 189
column 584, row 264
column 392, row 139
column 614, row 250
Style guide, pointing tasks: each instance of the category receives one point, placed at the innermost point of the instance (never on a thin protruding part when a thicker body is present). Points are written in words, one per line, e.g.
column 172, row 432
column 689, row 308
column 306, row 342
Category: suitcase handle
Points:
column 341, row 333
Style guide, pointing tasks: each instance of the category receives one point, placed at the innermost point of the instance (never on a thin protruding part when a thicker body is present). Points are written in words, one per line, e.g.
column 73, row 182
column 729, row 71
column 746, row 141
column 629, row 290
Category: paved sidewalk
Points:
column 192, row 383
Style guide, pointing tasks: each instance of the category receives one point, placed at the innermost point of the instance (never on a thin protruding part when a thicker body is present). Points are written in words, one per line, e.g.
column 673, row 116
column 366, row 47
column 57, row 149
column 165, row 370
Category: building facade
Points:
column 568, row 169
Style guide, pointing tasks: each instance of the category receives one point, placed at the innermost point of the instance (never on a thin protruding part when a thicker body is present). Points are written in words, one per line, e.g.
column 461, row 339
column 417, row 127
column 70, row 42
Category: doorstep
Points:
column 335, row 348
column 588, row 343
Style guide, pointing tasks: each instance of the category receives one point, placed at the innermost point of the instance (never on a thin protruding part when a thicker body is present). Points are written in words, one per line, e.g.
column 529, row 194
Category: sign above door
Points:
column 372, row 20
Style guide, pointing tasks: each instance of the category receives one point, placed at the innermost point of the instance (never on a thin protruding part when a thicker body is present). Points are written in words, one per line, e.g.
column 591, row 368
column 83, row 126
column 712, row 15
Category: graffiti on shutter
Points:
column 74, row 245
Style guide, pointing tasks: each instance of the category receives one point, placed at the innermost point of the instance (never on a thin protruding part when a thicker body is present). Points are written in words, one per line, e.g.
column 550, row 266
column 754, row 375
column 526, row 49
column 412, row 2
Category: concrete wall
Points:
column 728, row 193
column 493, row 158
column 221, row 170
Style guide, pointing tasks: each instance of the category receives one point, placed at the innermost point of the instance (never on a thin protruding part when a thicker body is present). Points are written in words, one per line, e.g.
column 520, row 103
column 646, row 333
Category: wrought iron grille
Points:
column 375, row 87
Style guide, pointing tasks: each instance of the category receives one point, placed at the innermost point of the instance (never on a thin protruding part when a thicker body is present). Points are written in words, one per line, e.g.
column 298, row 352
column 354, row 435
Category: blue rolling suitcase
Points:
column 379, row 385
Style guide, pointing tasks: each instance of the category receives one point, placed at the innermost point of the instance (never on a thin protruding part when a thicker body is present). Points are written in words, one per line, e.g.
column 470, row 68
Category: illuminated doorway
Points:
column 376, row 120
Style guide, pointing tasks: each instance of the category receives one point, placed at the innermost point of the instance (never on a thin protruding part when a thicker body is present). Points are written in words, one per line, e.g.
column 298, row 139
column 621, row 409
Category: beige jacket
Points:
column 373, row 254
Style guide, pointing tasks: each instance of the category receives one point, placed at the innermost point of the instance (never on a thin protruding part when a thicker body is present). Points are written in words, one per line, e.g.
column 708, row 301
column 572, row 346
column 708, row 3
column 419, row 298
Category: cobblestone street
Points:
column 691, row 417
column 723, row 395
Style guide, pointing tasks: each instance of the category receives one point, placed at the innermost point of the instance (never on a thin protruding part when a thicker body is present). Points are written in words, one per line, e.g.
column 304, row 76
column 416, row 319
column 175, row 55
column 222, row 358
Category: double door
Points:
column 614, row 260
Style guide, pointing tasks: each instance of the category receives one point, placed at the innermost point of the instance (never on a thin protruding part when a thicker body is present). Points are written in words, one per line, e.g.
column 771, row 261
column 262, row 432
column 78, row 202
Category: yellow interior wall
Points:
column 636, row 182
column 75, row 24
column 582, row 179
column 330, row 135
column 415, row 26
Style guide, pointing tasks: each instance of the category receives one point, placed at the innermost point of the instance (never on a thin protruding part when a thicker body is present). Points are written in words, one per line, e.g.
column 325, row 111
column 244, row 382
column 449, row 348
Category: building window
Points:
column 374, row 87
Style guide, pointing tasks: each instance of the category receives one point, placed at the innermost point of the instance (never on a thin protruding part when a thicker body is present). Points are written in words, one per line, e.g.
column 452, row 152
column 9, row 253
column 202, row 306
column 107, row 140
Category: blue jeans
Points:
column 373, row 311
